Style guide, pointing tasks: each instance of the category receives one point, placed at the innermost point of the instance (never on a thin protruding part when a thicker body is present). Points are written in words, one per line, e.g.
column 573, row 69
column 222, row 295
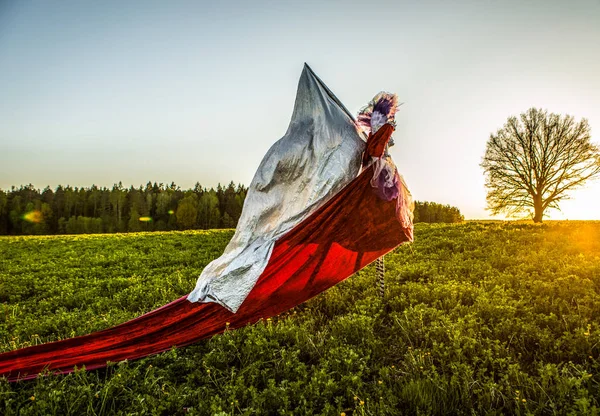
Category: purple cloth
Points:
column 384, row 191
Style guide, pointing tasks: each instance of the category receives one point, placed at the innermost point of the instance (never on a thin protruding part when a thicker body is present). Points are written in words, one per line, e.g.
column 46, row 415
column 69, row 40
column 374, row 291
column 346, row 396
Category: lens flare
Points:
column 34, row 216
column 146, row 219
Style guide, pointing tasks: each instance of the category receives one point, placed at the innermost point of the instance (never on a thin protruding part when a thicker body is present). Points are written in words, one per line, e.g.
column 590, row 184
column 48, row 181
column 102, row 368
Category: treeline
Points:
column 434, row 212
column 155, row 207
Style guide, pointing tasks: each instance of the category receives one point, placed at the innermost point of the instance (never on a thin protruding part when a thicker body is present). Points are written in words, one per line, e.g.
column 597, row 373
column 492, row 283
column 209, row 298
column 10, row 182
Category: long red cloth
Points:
column 350, row 231
column 377, row 142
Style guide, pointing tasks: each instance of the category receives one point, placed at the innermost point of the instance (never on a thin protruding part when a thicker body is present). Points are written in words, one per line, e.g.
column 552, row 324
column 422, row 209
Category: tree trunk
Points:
column 538, row 209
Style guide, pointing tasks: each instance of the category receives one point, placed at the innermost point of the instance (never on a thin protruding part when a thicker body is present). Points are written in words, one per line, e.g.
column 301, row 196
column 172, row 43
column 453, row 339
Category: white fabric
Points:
column 377, row 120
column 380, row 164
column 319, row 155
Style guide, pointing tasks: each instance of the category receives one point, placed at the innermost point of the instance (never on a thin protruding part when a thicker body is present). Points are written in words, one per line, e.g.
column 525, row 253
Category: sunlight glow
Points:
column 584, row 204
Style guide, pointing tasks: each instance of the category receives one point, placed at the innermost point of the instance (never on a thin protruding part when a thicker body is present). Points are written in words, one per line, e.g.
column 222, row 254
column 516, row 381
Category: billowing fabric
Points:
column 389, row 183
column 351, row 230
column 317, row 157
column 348, row 230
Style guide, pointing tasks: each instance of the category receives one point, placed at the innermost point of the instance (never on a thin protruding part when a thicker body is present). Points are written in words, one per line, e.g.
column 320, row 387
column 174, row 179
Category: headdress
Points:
column 380, row 110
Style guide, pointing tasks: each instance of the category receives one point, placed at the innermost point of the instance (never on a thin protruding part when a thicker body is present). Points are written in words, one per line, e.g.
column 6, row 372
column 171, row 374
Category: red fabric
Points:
column 376, row 142
column 353, row 229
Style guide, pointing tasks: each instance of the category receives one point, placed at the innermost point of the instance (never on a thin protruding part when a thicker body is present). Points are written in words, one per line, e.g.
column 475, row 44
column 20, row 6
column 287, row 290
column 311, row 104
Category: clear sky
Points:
column 135, row 91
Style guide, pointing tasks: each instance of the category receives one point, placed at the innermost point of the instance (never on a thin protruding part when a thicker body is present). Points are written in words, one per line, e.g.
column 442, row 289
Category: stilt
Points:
column 381, row 276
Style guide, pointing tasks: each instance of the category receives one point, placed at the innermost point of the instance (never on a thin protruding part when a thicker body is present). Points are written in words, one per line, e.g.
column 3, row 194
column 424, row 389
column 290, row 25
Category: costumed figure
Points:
column 325, row 202
column 377, row 120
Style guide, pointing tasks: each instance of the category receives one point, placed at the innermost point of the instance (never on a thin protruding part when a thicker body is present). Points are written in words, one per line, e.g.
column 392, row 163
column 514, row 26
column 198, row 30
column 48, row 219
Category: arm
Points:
column 377, row 142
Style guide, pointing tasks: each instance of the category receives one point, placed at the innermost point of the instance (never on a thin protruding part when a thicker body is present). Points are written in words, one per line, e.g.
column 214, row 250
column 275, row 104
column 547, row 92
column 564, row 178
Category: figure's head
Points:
column 380, row 110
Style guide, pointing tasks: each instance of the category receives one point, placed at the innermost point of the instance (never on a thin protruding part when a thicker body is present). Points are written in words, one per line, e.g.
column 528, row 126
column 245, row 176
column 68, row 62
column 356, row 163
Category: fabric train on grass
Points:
column 314, row 215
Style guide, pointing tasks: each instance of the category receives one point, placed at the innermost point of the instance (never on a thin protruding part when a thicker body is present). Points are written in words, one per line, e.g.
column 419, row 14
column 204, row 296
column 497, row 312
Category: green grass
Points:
column 479, row 318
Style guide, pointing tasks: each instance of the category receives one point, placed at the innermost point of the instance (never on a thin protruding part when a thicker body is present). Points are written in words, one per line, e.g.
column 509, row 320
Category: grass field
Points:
column 479, row 318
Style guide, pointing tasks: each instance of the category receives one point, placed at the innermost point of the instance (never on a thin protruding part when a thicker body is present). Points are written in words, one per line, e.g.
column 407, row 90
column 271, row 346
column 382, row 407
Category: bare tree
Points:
column 535, row 160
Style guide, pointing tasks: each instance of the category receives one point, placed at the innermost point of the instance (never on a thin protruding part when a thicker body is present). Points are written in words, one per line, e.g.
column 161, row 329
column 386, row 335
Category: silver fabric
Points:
column 319, row 155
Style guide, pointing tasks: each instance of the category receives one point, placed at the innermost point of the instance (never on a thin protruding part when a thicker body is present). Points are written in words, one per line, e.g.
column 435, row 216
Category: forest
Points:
column 155, row 207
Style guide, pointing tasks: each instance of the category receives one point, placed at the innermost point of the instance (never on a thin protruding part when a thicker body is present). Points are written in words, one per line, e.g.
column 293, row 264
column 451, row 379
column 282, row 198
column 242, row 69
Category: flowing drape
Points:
column 350, row 231
column 347, row 227
column 318, row 155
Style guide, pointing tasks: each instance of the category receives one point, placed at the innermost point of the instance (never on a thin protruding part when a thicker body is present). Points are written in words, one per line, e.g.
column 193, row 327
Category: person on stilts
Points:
column 377, row 119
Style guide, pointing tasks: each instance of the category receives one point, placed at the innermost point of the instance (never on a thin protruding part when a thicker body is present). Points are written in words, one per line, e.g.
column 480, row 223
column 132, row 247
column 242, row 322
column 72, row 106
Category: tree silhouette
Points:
column 533, row 162
column 209, row 214
column 187, row 211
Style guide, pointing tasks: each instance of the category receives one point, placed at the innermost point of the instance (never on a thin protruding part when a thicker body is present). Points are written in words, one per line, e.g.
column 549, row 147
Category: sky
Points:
column 193, row 91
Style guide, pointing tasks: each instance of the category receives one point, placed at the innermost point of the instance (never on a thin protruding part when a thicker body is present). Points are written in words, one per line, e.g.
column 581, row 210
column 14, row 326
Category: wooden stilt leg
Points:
column 381, row 276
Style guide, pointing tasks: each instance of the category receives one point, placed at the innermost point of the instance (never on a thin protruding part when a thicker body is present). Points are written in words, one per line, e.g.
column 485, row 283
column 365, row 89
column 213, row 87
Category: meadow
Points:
column 478, row 318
